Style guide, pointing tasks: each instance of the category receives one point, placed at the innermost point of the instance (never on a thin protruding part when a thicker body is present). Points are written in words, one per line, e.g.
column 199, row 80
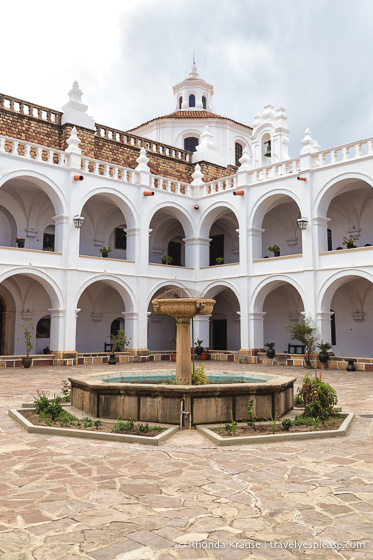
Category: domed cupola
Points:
column 193, row 94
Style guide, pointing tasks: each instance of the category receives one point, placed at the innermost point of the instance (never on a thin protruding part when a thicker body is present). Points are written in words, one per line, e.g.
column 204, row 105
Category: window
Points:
column 203, row 102
column 174, row 251
column 180, row 102
column 190, row 144
column 192, row 100
column 330, row 241
column 48, row 242
column 216, row 248
column 237, row 153
column 333, row 333
column 120, row 238
column 43, row 328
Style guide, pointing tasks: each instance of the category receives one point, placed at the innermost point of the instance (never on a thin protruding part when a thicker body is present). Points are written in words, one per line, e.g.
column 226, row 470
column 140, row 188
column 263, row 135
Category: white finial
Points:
column 207, row 141
column 142, row 161
column 73, row 142
column 310, row 146
column 197, row 177
column 245, row 161
column 74, row 110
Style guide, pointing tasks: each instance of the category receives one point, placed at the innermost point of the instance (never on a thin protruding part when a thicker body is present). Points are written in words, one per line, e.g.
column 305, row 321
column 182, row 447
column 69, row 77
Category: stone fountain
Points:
column 174, row 303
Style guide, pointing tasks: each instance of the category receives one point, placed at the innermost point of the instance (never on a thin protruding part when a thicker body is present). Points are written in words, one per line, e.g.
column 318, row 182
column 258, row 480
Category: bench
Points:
column 295, row 349
column 108, row 347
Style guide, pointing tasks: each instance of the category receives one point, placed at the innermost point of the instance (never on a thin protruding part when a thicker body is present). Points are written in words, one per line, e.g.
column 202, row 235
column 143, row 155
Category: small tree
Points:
column 119, row 340
column 27, row 333
column 306, row 332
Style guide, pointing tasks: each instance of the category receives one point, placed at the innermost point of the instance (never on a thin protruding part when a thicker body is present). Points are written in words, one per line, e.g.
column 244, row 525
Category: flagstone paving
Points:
column 66, row 498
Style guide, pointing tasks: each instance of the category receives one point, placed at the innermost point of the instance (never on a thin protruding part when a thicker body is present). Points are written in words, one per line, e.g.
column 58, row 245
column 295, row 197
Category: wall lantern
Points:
column 78, row 221
column 302, row 223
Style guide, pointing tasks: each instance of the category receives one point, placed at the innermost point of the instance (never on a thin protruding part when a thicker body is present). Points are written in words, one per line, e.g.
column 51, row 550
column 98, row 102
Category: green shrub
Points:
column 46, row 408
column 318, row 397
column 287, row 424
column 199, row 376
column 250, row 413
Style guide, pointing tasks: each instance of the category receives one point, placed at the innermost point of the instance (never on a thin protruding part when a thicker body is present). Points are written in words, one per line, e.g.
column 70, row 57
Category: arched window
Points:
column 180, row 102
column 203, row 102
column 190, row 144
column 237, row 153
column 192, row 100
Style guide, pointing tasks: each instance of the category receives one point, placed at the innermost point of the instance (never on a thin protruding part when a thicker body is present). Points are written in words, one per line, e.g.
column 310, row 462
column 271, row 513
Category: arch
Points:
column 177, row 211
column 331, row 284
column 192, row 100
column 339, row 184
column 114, row 282
column 267, row 285
column 52, row 288
column 49, row 187
column 164, row 284
column 213, row 213
column 180, row 102
column 266, row 203
column 204, row 102
column 127, row 208
column 217, row 286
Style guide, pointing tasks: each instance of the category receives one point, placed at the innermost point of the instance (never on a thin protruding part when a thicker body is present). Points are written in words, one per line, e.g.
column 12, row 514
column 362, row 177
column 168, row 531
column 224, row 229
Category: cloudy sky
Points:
column 314, row 57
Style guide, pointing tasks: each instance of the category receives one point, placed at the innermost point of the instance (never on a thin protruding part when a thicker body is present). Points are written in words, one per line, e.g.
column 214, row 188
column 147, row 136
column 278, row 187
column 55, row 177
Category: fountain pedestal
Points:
column 183, row 309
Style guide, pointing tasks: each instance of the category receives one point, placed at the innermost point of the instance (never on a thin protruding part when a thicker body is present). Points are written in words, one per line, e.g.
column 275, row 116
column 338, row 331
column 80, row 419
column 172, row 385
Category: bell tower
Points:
column 193, row 93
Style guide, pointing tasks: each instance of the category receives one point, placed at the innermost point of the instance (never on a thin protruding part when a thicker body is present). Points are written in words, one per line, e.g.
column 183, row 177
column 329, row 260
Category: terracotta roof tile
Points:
column 201, row 114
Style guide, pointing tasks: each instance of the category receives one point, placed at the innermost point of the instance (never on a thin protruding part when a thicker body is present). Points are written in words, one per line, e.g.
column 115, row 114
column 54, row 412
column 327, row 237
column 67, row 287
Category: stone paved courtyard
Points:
column 67, row 498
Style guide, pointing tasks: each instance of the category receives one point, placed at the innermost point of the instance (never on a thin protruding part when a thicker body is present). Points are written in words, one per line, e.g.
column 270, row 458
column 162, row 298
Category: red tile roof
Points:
column 201, row 114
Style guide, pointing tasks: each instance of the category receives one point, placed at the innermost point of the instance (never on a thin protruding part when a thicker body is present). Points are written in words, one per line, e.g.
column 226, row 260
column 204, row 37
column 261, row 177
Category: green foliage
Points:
column 250, row 413
column 121, row 426
column 172, row 341
column 198, row 343
column 87, row 422
column 318, row 397
column 305, row 421
column 119, row 340
column 166, row 259
column 287, row 424
column 274, row 249
column 97, row 424
column 231, row 428
column 306, row 332
column 199, row 376
column 297, row 400
column 273, row 421
column 324, row 347
column 66, row 390
column 27, row 334
column 220, row 260
column 46, row 408
column 270, row 345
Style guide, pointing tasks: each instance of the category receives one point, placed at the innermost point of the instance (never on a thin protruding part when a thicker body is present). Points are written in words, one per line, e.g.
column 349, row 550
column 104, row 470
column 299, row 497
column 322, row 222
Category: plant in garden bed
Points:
column 199, row 376
column 250, row 413
column 306, row 332
column 319, row 398
column 130, row 426
column 66, row 390
column 231, row 428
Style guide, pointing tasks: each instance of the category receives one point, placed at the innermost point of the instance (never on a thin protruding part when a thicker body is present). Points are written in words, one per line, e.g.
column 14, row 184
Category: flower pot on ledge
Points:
column 20, row 244
column 105, row 255
column 26, row 362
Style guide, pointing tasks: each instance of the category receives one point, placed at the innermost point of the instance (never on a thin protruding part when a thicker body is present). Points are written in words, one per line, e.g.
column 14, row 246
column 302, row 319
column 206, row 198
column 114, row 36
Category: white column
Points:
column 197, row 251
column 321, row 237
column 57, row 330
column 131, row 328
column 256, row 329
column 254, row 244
column 132, row 241
column 202, row 329
column 323, row 325
column 61, row 232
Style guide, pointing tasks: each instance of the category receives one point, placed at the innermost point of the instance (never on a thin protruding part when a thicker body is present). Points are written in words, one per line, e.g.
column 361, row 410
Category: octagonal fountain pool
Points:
column 152, row 396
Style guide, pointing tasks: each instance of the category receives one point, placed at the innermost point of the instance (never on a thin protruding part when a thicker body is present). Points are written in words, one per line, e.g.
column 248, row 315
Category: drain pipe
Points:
column 193, row 343
column 185, row 413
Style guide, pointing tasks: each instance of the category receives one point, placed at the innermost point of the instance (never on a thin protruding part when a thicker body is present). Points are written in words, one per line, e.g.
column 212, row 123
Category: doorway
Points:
column 219, row 334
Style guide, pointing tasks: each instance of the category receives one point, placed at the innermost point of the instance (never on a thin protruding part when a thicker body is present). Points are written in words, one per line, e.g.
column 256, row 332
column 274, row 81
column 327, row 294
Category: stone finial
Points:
column 257, row 120
column 280, row 117
column 197, row 177
column 310, row 146
column 143, row 161
column 207, row 141
column 73, row 142
column 268, row 113
column 245, row 161
column 74, row 110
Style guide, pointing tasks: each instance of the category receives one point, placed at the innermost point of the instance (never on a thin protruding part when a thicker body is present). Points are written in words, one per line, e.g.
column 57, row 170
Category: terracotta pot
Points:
column 203, row 356
column 173, row 357
column 26, row 362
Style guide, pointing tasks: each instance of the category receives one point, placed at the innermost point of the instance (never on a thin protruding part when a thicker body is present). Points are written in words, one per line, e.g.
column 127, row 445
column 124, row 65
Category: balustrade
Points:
column 30, row 109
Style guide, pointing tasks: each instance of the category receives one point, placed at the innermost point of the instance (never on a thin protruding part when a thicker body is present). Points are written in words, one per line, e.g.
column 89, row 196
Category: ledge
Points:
column 355, row 249
column 219, row 265
column 282, row 257
column 30, row 250
column 171, row 266
column 105, row 258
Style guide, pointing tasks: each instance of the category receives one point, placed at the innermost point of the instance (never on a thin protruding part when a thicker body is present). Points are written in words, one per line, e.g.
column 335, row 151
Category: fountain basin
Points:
column 212, row 403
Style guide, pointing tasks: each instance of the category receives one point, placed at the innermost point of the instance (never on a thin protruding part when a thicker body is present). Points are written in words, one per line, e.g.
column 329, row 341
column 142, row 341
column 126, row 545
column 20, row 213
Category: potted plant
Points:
column 46, row 350
column 306, row 332
column 275, row 249
column 166, row 259
column 349, row 241
column 270, row 349
column 172, row 341
column 27, row 334
column 120, row 341
column 199, row 348
column 220, row 260
column 20, row 241
column 105, row 251
column 324, row 347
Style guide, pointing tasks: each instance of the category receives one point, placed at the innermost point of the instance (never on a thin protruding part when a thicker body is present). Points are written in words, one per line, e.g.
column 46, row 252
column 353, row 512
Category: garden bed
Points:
column 335, row 427
column 71, row 426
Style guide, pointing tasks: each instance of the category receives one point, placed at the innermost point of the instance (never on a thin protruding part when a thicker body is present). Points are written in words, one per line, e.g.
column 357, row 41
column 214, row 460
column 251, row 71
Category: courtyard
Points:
column 68, row 498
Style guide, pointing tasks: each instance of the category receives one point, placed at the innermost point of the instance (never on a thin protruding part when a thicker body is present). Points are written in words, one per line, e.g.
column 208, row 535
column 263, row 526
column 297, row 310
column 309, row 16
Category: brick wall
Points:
column 36, row 130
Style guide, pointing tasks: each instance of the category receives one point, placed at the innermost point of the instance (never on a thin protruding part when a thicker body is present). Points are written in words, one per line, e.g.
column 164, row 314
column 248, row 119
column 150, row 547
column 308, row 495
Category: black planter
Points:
column 21, row 244
column 271, row 353
column 351, row 366
column 112, row 361
column 46, row 350
column 351, row 246
column 323, row 357
column 26, row 362
column 276, row 253
column 198, row 350
column 105, row 255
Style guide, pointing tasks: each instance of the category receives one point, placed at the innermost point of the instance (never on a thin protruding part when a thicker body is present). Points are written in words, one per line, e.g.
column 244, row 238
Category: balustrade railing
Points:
column 140, row 142
column 97, row 167
column 29, row 109
column 346, row 152
column 170, row 185
column 28, row 150
column 220, row 185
